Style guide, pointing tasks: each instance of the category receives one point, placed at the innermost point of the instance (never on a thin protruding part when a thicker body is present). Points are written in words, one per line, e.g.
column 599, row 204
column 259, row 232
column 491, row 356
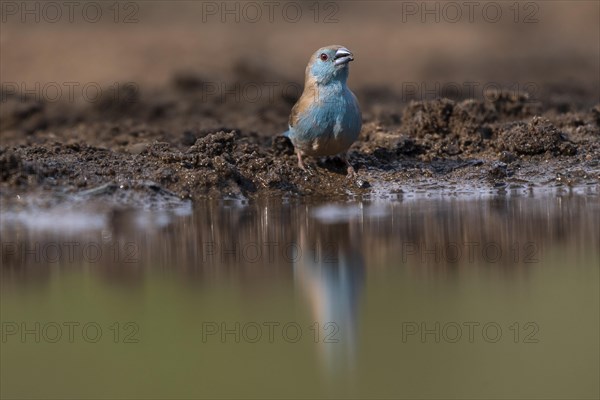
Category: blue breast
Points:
column 333, row 120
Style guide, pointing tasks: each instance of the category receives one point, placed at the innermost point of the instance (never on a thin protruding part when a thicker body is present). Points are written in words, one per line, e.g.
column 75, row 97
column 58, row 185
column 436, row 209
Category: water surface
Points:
column 493, row 297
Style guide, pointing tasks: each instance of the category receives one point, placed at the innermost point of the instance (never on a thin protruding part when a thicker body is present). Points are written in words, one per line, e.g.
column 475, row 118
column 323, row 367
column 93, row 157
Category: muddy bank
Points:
column 133, row 147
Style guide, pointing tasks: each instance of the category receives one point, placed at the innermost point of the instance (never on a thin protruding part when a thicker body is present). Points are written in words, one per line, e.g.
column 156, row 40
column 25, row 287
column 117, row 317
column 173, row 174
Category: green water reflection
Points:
column 495, row 298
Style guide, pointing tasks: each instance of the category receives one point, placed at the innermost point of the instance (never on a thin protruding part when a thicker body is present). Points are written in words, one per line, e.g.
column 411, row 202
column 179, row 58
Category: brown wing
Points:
column 305, row 100
column 294, row 113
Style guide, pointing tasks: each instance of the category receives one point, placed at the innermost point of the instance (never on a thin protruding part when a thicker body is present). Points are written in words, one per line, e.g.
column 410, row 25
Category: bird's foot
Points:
column 308, row 170
column 351, row 172
column 353, row 177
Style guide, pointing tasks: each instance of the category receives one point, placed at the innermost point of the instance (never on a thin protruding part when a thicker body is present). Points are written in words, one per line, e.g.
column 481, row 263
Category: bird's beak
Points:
column 343, row 56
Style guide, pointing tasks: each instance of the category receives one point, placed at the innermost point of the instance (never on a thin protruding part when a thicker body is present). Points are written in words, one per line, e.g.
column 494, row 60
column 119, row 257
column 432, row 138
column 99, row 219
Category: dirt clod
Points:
column 536, row 137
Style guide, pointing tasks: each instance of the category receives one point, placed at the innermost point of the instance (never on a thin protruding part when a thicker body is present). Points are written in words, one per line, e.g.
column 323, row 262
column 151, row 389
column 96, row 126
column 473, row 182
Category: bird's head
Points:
column 329, row 63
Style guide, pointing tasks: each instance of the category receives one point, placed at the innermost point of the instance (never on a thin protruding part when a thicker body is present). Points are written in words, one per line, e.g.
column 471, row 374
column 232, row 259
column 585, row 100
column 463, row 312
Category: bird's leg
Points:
column 301, row 164
column 350, row 169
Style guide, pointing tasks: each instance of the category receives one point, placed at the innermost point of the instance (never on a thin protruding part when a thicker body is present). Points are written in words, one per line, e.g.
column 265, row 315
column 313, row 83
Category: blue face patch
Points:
column 324, row 68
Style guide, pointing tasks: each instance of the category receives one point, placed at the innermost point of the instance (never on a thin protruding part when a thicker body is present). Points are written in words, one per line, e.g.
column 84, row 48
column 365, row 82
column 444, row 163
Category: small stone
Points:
column 485, row 132
column 507, row 157
column 498, row 170
column 137, row 148
column 188, row 138
column 568, row 149
column 362, row 183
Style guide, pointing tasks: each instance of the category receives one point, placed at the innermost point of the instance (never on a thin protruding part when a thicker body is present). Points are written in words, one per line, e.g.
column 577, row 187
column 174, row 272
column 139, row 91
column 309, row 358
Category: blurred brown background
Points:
column 552, row 43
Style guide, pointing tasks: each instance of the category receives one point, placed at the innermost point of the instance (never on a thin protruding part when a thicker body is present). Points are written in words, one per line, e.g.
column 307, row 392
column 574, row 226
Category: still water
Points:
column 493, row 297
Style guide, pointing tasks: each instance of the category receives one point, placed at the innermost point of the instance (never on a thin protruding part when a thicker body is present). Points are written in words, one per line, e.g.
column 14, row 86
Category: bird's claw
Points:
column 307, row 170
column 356, row 180
column 351, row 172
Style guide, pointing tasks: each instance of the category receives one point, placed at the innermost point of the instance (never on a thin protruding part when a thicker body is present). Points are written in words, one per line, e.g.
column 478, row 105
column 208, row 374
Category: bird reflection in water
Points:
column 329, row 271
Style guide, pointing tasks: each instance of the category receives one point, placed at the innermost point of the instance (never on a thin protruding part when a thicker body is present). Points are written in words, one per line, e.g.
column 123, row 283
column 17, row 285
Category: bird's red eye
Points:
column 324, row 57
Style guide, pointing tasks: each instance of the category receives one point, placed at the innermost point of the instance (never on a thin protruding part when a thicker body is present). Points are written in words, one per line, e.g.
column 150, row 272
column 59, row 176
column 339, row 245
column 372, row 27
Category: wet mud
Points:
column 140, row 146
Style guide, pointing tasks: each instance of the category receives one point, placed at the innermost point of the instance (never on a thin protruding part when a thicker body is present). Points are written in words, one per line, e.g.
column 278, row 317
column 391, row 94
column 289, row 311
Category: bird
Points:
column 326, row 119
